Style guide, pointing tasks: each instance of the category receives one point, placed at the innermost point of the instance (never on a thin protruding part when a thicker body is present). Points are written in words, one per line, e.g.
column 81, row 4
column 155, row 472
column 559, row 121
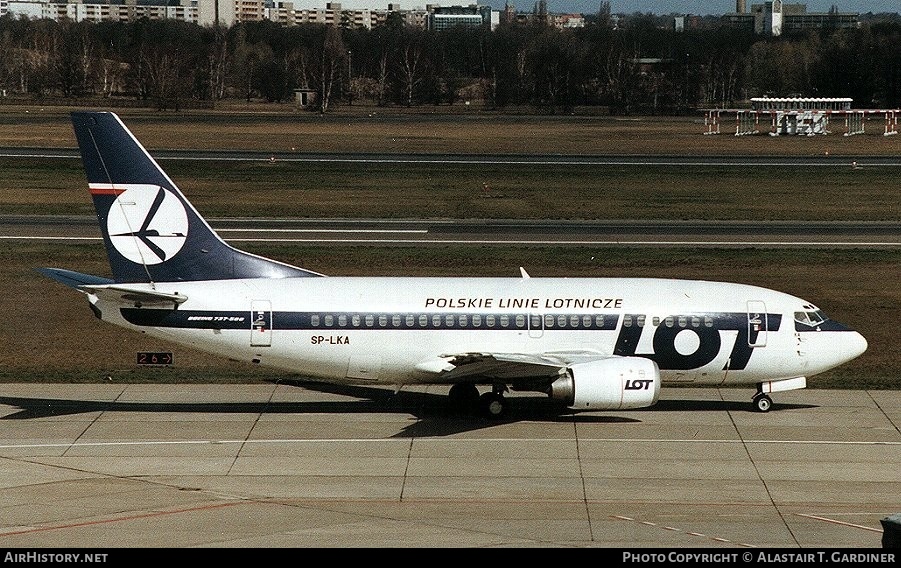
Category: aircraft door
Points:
column 364, row 365
column 260, row 323
column 757, row 323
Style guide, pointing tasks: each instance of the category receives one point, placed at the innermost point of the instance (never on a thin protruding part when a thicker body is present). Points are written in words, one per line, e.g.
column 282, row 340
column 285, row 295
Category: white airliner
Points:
column 588, row 343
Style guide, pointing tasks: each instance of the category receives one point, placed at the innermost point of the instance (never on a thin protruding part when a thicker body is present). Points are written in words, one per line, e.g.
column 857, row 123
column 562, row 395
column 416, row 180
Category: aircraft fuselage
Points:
column 388, row 329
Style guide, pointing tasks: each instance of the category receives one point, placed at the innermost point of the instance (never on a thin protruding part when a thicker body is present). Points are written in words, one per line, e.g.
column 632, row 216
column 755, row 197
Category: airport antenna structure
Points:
column 799, row 116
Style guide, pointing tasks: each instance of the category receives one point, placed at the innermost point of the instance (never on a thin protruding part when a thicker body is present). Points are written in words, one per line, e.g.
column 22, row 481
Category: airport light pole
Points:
column 350, row 71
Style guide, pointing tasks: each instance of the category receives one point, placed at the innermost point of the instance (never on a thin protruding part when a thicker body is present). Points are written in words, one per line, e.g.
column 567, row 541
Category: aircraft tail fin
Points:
column 151, row 231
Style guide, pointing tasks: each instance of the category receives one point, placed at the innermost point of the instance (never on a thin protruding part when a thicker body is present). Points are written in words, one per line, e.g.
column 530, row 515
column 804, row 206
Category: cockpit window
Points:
column 811, row 317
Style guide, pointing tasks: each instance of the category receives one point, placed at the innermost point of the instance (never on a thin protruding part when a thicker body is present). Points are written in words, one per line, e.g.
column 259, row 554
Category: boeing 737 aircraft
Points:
column 590, row 344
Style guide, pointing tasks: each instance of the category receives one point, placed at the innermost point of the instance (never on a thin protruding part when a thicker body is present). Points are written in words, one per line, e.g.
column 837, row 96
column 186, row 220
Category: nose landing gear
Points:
column 762, row 402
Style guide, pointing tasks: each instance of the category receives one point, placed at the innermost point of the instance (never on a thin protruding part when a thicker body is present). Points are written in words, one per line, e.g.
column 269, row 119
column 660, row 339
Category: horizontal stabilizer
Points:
column 133, row 296
column 73, row 279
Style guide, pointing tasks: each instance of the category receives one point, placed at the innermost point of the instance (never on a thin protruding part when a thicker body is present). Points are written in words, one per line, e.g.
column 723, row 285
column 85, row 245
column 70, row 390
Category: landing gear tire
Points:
column 493, row 405
column 463, row 397
column 762, row 403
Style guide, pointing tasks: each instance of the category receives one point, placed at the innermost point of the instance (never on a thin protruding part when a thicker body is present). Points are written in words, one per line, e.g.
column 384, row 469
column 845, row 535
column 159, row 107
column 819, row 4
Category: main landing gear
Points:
column 492, row 404
column 464, row 397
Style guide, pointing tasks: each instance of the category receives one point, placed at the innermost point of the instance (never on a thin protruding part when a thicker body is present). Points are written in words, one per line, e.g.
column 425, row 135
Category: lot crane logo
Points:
column 147, row 224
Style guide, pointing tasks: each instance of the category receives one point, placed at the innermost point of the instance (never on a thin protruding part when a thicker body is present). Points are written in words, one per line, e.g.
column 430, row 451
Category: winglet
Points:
column 523, row 272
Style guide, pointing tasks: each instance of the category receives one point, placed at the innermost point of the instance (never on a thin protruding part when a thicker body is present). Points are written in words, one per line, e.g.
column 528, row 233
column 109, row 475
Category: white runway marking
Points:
column 430, row 440
column 389, row 231
column 678, row 530
column 21, row 238
column 837, row 522
column 752, row 244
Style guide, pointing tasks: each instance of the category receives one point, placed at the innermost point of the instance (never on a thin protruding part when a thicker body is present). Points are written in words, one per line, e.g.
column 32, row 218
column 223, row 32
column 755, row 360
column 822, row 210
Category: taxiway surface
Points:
column 302, row 465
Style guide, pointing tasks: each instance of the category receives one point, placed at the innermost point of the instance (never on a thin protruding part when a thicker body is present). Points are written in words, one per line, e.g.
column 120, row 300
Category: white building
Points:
column 79, row 11
column 355, row 13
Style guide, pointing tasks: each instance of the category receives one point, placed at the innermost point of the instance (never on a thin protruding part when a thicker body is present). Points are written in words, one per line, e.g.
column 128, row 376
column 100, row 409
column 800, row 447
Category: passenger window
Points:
column 599, row 321
column 520, row 321
column 548, row 321
column 329, row 320
column 314, row 320
column 464, row 320
column 476, row 320
column 370, row 320
column 489, row 319
column 627, row 321
column 505, row 321
column 708, row 321
column 342, row 320
column 683, row 321
column 410, row 320
column 355, row 320
column 383, row 320
column 668, row 322
column 573, row 321
column 641, row 321
column 395, row 321
column 449, row 321
column 436, row 321
column 423, row 320
column 695, row 321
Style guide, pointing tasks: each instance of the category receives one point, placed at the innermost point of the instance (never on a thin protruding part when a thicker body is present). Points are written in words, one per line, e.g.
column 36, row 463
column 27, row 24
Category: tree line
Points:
column 637, row 67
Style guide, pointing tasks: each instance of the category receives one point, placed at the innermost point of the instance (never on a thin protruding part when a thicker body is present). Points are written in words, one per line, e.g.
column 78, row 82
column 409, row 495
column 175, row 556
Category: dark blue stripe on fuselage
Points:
column 233, row 319
column 664, row 331
column 195, row 319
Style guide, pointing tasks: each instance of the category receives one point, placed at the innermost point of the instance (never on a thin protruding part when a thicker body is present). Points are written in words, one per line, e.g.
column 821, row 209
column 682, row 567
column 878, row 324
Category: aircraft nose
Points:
column 850, row 345
column 855, row 345
column 827, row 350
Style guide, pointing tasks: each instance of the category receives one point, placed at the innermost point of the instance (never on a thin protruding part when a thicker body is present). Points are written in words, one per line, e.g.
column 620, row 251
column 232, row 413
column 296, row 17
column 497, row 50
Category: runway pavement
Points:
column 723, row 160
column 507, row 232
column 97, row 466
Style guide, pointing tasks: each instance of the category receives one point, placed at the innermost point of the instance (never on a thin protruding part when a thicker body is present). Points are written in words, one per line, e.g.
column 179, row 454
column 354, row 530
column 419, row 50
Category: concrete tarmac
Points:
column 301, row 465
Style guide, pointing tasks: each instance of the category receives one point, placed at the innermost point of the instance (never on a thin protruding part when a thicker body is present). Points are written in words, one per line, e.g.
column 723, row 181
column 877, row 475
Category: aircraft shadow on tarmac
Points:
column 435, row 415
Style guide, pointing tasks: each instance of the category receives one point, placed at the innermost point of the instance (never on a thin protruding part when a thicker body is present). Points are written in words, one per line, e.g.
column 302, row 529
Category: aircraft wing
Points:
column 507, row 366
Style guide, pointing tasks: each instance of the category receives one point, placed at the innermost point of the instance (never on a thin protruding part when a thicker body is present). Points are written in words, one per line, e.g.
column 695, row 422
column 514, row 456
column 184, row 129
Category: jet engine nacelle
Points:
column 609, row 384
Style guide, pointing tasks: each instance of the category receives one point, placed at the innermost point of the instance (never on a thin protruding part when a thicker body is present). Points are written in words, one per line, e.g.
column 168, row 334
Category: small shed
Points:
column 305, row 97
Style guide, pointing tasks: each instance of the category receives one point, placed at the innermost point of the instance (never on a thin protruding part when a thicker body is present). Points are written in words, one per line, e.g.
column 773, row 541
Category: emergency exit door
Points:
column 260, row 323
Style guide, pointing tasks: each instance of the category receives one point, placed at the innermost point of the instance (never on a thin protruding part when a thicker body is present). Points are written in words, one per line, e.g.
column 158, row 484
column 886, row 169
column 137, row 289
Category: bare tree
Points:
column 218, row 63
column 332, row 61
column 410, row 70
